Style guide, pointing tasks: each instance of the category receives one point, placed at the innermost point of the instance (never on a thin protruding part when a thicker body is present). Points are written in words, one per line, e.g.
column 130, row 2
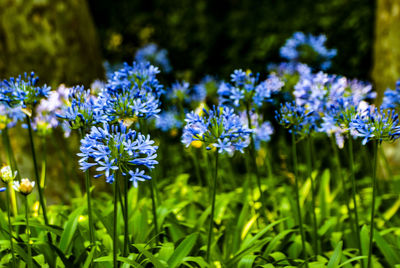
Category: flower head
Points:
column 25, row 187
column 219, row 128
column 23, row 91
column 308, row 49
column 374, row 124
column 6, row 174
column 296, row 118
column 156, row 56
column 113, row 148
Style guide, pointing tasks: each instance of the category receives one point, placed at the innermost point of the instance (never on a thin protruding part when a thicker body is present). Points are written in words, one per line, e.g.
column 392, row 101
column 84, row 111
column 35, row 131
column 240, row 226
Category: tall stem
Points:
column 37, row 178
column 115, row 220
column 296, row 175
column 214, row 190
column 154, row 209
column 28, row 233
column 309, row 171
column 9, row 223
column 255, row 168
column 13, row 165
column 89, row 202
column 346, row 194
column 371, row 232
column 126, row 223
column 354, row 192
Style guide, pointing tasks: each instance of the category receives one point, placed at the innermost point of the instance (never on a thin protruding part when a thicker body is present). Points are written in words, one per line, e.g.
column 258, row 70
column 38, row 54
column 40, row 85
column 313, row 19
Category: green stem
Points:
column 309, row 171
column 296, row 175
column 28, row 231
column 371, row 232
column 154, row 209
column 8, row 191
column 126, row 223
column 255, row 168
column 346, row 194
column 37, row 178
column 13, row 165
column 214, row 191
column 89, row 203
column 115, row 220
column 354, row 192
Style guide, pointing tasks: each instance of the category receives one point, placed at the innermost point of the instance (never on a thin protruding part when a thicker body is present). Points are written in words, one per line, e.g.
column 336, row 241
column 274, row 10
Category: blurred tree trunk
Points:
column 386, row 69
column 55, row 38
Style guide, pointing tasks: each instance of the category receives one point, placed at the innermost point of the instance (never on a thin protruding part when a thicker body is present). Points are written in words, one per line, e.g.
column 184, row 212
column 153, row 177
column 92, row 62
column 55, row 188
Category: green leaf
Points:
column 247, row 261
column 336, row 256
column 150, row 256
column 352, row 259
column 199, row 260
column 182, row 250
column 69, row 230
column 387, row 250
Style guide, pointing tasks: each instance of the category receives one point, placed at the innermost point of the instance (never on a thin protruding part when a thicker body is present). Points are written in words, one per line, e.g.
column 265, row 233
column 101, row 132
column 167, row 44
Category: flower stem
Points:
column 8, row 191
column 309, row 171
column 89, row 203
column 115, row 220
column 154, row 209
column 371, row 232
column 296, row 175
column 255, row 168
column 354, row 191
column 126, row 223
column 37, row 178
column 13, row 165
column 28, row 231
column 214, row 190
column 346, row 194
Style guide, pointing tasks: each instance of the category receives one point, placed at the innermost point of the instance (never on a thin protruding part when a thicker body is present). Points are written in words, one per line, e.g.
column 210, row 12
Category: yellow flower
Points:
column 25, row 187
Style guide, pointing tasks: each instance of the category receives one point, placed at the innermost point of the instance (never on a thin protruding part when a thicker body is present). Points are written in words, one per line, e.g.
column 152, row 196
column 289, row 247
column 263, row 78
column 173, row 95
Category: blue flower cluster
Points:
column 168, row 120
column 246, row 90
column 376, row 124
column 262, row 130
column 219, row 127
column 156, row 56
column 295, row 118
column 114, row 147
column 391, row 98
column 23, row 91
column 308, row 49
column 132, row 92
column 83, row 110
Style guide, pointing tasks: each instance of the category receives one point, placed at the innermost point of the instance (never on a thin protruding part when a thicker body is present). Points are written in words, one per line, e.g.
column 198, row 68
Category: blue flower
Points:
column 23, row 91
column 219, row 128
column 112, row 148
column 296, row 118
column 308, row 49
column 374, row 124
column 83, row 111
column 246, row 91
column 156, row 56
column 391, row 98
column 168, row 120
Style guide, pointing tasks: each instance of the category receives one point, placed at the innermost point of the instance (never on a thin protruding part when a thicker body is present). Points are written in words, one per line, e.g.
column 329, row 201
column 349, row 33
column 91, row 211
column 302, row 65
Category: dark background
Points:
column 215, row 37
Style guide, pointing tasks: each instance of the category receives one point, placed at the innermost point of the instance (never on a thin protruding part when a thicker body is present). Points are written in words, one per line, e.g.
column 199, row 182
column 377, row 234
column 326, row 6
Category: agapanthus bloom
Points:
column 10, row 116
column 374, row 124
column 262, row 130
column 113, row 148
column 219, row 127
column 46, row 112
column 25, row 187
column 391, row 98
column 168, row 120
column 83, row 110
column 156, row 56
column 23, row 91
column 179, row 91
column 308, row 49
column 246, row 91
column 296, row 118
column 207, row 85
column 139, row 77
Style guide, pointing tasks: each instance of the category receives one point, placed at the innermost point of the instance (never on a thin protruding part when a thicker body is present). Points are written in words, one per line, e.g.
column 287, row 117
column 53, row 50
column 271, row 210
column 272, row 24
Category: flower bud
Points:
column 6, row 174
column 25, row 187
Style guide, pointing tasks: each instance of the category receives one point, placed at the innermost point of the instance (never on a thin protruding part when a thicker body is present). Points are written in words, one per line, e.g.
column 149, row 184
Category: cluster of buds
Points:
column 6, row 174
column 25, row 187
